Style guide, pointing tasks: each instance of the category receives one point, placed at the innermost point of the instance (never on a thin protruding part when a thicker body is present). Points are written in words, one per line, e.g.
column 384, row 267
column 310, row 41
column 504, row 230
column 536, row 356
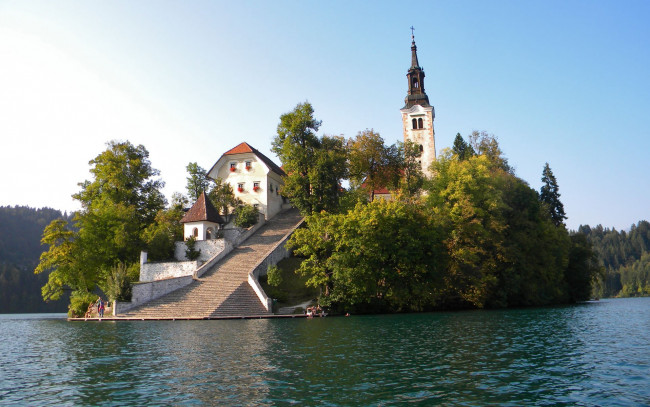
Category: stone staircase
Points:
column 223, row 291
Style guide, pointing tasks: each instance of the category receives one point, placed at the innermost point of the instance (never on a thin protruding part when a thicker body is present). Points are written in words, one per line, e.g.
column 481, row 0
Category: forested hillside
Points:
column 625, row 257
column 21, row 229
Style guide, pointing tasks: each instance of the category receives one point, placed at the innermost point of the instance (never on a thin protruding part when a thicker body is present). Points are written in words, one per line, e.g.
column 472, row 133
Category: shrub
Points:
column 79, row 302
column 118, row 284
column 247, row 216
column 274, row 276
column 191, row 253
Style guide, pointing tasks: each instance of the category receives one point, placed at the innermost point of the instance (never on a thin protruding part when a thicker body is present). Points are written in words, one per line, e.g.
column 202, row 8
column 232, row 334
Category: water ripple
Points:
column 581, row 355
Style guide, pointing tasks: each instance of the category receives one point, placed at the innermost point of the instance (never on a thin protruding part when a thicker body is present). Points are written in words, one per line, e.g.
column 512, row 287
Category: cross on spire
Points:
column 412, row 33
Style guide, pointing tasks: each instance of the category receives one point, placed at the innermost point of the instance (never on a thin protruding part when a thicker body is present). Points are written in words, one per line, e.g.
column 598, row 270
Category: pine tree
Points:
column 551, row 197
column 462, row 149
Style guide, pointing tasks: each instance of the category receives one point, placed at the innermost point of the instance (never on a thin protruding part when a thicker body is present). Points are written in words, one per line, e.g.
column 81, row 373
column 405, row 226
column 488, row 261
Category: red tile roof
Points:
column 202, row 210
column 247, row 148
column 240, row 149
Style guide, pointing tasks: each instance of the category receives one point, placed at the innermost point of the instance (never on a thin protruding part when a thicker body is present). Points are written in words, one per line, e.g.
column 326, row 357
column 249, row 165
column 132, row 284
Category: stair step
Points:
column 223, row 290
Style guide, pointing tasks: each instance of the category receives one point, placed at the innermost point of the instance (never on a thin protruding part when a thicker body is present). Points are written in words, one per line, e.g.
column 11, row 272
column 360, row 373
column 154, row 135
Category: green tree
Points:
column 274, row 276
column 161, row 235
column 461, row 149
column 550, row 195
column 583, row 269
column 64, row 260
column 409, row 165
column 246, row 216
column 222, row 196
column 190, row 252
column 486, row 144
column 314, row 166
column 197, row 181
column 384, row 255
column 118, row 204
column 372, row 162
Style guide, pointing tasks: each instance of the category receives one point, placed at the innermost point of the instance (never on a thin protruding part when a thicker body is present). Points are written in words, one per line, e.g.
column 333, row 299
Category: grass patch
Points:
column 292, row 290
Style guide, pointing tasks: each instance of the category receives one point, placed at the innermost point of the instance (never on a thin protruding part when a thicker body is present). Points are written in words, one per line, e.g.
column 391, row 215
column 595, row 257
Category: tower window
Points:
column 421, row 148
column 416, row 84
column 420, row 123
column 415, row 124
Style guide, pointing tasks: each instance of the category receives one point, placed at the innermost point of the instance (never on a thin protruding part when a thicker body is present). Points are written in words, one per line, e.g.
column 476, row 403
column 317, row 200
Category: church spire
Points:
column 416, row 94
column 414, row 51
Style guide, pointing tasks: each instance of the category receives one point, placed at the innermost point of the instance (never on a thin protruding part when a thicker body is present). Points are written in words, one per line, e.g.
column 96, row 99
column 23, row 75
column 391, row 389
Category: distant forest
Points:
column 21, row 228
column 625, row 258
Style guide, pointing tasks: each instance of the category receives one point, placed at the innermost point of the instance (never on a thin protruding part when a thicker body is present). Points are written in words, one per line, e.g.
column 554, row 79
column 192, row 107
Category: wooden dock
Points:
column 148, row 318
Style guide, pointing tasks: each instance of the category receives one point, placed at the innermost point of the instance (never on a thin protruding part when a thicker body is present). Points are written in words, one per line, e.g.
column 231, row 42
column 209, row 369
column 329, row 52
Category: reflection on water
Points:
column 592, row 354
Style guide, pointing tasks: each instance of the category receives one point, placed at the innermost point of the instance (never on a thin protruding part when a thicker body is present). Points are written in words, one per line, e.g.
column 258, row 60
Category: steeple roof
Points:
column 414, row 54
column 202, row 210
column 416, row 94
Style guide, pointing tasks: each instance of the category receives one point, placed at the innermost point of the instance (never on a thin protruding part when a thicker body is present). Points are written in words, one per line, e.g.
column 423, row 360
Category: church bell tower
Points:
column 418, row 114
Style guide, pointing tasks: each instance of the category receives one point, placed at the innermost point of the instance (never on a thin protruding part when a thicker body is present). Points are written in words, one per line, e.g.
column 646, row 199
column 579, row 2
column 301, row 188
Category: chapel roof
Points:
column 202, row 210
column 244, row 147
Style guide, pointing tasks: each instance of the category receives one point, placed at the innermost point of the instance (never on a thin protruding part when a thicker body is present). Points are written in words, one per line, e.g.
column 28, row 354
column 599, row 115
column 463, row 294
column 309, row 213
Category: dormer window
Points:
column 249, row 165
column 233, row 167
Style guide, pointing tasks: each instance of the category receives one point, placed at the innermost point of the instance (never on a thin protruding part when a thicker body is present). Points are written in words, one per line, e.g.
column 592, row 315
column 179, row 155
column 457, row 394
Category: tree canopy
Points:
column 315, row 166
column 550, row 195
column 119, row 203
column 478, row 237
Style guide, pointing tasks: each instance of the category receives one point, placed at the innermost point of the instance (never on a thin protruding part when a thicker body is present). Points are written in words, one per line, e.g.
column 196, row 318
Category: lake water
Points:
column 593, row 354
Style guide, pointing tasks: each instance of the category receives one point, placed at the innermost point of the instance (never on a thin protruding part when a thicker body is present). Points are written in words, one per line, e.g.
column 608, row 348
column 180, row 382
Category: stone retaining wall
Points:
column 162, row 271
column 273, row 257
column 158, row 286
column 145, row 292
column 208, row 248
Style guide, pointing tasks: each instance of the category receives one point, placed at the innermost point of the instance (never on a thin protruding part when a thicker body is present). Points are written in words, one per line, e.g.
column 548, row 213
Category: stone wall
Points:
column 209, row 249
column 165, row 270
column 273, row 257
column 163, row 278
column 148, row 291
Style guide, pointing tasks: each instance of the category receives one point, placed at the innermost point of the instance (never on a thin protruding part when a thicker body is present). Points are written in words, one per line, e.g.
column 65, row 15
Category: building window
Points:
column 240, row 187
column 195, row 232
column 209, row 234
column 421, row 148
column 256, row 186
column 420, row 123
column 233, row 167
column 415, row 124
column 256, row 206
column 249, row 165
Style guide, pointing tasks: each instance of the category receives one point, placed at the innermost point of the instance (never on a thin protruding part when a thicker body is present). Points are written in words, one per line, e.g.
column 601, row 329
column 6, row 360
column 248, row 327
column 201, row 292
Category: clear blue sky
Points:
column 563, row 82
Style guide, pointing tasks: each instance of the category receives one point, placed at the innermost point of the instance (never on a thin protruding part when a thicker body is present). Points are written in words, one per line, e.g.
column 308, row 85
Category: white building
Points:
column 254, row 178
column 202, row 220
